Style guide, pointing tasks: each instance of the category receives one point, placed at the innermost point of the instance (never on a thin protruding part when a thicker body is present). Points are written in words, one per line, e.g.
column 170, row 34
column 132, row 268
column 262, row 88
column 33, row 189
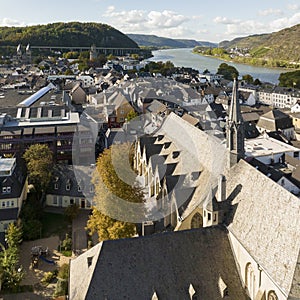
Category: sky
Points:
column 208, row 20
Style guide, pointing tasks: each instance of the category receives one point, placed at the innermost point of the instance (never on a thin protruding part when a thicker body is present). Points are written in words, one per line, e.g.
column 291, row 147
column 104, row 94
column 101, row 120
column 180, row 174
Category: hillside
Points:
column 282, row 45
column 162, row 42
column 66, row 34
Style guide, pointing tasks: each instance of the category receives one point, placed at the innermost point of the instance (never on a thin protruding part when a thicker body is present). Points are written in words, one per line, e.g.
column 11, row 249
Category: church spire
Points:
column 235, row 129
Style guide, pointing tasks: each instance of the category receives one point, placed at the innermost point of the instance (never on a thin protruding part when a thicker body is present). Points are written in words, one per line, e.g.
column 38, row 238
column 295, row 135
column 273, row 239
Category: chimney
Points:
column 221, row 193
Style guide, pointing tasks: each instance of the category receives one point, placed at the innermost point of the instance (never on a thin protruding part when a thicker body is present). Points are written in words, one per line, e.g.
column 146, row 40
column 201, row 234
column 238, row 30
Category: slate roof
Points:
column 16, row 181
column 165, row 264
column 64, row 175
column 274, row 120
column 266, row 222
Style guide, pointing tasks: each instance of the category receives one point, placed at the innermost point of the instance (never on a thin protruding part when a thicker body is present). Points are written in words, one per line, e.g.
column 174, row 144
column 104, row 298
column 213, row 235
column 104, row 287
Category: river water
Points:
column 186, row 58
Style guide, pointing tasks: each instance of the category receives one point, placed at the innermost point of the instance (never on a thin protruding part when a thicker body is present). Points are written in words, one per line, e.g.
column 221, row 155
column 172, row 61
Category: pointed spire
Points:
column 235, row 129
column 235, row 110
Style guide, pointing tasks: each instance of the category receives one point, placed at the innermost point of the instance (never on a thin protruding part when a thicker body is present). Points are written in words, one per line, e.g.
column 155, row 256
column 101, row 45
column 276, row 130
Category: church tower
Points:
column 235, row 129
column 93, row 52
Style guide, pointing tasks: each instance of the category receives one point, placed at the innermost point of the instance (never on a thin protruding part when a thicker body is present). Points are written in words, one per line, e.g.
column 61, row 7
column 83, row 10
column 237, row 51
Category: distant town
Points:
column 211, row 198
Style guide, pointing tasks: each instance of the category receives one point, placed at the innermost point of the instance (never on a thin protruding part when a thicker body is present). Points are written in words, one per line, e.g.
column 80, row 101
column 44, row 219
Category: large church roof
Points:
column 266, row 222
column 165, row 264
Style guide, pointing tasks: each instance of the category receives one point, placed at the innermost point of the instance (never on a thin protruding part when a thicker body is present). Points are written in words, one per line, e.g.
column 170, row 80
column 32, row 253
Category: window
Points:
column 3, row 204
column 7, row 203
column 272, row 296
column 8, row 189
column 71, row 201
column 12, row 203
column 68, row 186
column 54, row 199
column 56, row 186
column 197, row 221
column 209, row 216
column 79, row 188
column 4, row 189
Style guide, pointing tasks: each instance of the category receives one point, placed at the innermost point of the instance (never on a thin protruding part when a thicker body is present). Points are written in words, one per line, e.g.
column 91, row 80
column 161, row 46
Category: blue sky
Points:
column 201, row 20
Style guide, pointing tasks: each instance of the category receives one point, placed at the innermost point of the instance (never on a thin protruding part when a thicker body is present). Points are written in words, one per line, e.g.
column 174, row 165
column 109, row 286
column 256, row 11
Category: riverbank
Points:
column 184, row 57
column 256, row 62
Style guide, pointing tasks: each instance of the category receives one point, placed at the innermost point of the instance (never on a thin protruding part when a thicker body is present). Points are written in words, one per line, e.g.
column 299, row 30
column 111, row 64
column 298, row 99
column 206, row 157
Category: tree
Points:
column 257, row 82
column 229, row 72
column 108, row 228
column 248, row 78
column 39, row 161
column 10, row 271
column 13, row 235
column 114, row 178
column 131, row 115
column 290, row 79
column 71, row 212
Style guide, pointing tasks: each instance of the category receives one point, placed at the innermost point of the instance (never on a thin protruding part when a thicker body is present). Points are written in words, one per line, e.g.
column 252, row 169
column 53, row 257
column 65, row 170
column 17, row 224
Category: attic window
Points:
column 167, row 145
column 89, row 260
column 68, row 185
column 175, row 154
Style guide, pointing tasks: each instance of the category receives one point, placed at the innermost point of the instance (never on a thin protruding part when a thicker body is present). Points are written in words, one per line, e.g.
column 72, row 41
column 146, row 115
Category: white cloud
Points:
column 281, row 23
column 248, row 27
column 165, row 19
column 10, row 22
column 245, row 28
column 224, row 20
column 162, row 23
column 293, row 6
column 270, row 11
column 152, row 19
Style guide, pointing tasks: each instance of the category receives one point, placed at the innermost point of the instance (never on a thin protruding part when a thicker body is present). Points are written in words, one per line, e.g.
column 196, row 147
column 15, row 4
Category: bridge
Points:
column 104, row 50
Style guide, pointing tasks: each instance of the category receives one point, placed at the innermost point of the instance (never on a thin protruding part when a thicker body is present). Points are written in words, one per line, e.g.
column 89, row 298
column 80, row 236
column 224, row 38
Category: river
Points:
column 184, row 57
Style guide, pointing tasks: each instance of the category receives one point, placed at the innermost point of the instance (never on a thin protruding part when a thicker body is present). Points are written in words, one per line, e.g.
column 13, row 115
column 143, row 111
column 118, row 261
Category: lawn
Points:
column 54, row 224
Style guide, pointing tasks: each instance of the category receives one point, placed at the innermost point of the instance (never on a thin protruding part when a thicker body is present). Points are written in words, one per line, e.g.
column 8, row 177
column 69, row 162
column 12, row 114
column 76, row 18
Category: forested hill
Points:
column 74, row 34
column 281, row 45
column 162, row 42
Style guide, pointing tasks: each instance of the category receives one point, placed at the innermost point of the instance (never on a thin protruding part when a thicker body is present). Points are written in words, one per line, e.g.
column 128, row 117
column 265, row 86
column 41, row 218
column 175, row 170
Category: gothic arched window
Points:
column 250, row 280
column 197, row 221
column 272, row 296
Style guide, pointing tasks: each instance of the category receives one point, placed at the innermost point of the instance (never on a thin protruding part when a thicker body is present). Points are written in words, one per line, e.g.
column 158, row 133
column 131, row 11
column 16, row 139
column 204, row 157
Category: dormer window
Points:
column 6, row 190
column 167, row 145
column 175, row 154
column 79, row 188
column 68, row 185
column 56, row 186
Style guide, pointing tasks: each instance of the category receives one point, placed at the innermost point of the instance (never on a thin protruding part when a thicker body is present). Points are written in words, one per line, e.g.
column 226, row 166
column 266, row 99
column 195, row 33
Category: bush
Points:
column 49, row 277
column 63, row 272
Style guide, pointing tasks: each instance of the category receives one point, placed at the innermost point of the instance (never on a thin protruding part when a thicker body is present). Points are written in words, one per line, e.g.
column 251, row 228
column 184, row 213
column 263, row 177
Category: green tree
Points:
column 71, row 212
column 131, row 115
column 290, row 79
column 39, row 161
column 10, row 271
column 257, row 82
column 229, row 72
column 248, row 78
column 13, row 235
column 67, row 243
column 62, row 283
column 112, row 170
